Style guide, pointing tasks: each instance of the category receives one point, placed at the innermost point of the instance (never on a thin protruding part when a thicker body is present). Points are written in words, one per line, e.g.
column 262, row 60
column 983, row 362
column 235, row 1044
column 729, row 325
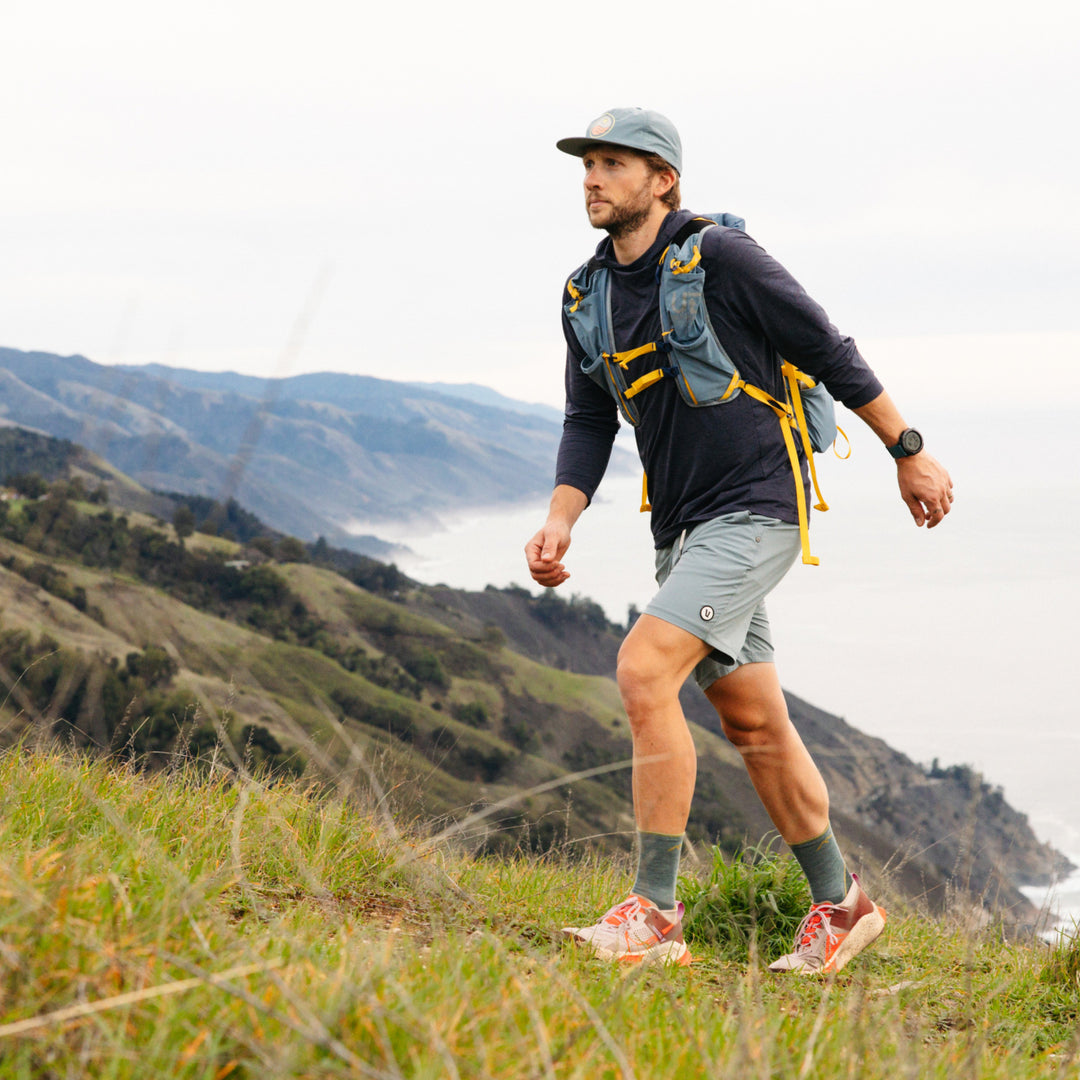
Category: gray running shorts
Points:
column 713, row 582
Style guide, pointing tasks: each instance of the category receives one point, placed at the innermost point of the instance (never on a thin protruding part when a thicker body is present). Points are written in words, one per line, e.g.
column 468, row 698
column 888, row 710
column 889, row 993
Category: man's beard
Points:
column 629, row 217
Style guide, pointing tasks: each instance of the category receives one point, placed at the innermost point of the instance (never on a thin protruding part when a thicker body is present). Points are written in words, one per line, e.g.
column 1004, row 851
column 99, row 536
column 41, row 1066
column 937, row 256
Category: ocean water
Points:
column 957, row 643
column 1060, row 901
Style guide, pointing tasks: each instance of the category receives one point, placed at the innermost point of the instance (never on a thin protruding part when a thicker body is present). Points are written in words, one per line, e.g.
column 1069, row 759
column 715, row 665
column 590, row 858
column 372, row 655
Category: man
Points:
column 724, row 520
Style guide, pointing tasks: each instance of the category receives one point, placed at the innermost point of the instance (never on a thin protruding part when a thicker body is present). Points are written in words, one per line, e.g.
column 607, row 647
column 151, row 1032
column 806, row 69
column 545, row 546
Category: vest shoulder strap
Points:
column 705, row 221
column 694, row 225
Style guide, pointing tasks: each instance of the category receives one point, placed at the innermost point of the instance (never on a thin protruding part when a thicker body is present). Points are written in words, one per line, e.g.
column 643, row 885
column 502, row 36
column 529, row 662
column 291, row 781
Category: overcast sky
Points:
column 276, row 188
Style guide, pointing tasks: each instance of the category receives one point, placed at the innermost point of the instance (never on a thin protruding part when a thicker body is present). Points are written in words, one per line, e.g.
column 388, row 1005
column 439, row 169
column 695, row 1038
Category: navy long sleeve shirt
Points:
column 713, row 460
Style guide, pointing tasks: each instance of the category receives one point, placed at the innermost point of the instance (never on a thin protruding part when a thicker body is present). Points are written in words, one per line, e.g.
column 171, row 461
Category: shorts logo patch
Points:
column 706, row 613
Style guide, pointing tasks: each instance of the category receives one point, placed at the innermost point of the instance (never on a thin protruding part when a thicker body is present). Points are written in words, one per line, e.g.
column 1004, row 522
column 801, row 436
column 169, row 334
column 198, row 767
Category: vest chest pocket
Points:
column 706, row 374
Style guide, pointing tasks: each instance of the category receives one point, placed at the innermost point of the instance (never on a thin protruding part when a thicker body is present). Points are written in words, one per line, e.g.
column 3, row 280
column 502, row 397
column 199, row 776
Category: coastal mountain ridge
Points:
column 310, row 454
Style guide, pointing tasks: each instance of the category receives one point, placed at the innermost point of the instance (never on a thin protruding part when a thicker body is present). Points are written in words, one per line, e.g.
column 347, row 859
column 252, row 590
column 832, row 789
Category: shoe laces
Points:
column 816, row 920
column 622, row 913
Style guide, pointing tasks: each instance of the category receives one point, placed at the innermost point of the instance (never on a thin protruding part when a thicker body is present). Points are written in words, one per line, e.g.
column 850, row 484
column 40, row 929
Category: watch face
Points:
column 911, row 441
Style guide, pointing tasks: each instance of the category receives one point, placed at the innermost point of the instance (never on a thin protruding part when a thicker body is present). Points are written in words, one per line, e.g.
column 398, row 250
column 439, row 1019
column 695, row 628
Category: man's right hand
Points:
column 549, row 545
column 544, row 551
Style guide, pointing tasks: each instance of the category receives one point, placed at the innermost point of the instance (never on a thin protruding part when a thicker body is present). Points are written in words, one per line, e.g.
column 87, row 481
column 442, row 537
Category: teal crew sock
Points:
column 824, row 868
column 658, row 868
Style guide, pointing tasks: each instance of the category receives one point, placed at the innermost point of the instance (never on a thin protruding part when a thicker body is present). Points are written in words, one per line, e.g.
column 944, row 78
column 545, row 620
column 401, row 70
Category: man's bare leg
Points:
column 654, row 661
column 755, row 719
column 843, row 920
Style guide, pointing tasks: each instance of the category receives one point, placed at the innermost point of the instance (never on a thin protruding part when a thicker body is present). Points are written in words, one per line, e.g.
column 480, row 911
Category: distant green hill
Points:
column 24, row 452
column 27, row 452
column 120, row 639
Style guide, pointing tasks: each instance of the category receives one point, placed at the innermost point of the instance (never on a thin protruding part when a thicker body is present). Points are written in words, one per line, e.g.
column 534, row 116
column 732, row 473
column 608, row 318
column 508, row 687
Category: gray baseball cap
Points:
column 637, row 129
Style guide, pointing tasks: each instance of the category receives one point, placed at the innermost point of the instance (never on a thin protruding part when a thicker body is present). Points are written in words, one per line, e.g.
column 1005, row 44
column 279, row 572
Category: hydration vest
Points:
column 692, row 355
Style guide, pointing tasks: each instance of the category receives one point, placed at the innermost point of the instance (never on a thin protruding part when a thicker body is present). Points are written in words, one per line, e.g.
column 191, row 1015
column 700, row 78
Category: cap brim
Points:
column 578, row 145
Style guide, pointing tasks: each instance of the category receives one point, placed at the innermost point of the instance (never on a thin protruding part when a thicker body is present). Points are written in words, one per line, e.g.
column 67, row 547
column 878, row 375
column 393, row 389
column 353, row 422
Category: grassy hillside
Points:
column 119, row 636
column 192, row 924
column 26, row 453
column 157, row 649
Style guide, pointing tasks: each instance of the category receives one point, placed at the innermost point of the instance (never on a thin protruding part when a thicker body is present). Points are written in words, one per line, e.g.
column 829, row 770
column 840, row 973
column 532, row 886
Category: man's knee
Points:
column 653, row 663
column 642, row 680
column 751, row 706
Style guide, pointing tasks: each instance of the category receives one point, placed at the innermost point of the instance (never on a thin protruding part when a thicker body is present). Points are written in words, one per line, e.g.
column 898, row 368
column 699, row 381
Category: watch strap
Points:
column 908, row 435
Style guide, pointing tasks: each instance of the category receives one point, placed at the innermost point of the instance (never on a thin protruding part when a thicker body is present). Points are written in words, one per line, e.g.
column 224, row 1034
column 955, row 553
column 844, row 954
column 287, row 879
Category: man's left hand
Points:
column 926, row 487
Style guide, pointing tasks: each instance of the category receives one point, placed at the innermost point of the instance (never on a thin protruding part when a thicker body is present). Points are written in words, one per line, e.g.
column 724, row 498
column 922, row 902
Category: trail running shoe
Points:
column 833, row 934
column 636, row 931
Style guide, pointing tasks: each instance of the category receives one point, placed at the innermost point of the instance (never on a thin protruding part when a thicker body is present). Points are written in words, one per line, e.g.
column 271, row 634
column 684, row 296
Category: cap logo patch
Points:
column 601, row 125
column 706, row 613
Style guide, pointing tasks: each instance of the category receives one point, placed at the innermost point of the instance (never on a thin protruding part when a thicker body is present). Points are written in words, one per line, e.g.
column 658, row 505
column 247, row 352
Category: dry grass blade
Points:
column 434, row 1040
column 356, row 756
column 604, row 1034
column 819, row 1023
column 14, row 691
column 543, row 1039
column 242, row 458
column 539, row 789
column 315, row 1023
column 596, row 1022
column 133, row 997
column 318, row 1037
column 896, row 988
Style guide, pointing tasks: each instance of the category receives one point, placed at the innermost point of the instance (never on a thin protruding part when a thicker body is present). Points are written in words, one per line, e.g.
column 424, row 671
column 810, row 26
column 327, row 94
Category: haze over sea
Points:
column 957, row 643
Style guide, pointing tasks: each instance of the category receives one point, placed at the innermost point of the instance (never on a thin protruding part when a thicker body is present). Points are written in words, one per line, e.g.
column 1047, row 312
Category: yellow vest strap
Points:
column 794, row 376
column 732, row 386
column 847, row 444
column 644, row 382
column 758, row 394
column 800, row 496
column 677, row 267
column 645, row 504
column 575, row 295
column 787, row 420
column 624, row 358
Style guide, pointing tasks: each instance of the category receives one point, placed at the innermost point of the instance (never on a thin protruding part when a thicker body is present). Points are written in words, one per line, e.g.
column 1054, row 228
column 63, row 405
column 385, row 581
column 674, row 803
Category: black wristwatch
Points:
column 911, row 442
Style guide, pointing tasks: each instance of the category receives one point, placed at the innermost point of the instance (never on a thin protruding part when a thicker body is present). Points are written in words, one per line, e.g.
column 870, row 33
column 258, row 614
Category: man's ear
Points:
column 663, row 182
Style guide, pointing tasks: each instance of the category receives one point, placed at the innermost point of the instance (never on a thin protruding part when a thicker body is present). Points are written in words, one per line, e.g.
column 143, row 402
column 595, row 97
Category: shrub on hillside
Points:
column 470, row 712
column 383, row 671
column 28, row 485
column 579, row 611
column 422, row 664
column 153, row 665
column 385, row 717
column 128, row 710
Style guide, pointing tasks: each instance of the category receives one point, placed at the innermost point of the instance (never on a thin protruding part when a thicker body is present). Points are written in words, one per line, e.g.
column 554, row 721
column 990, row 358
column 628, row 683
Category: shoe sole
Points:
column 667, row 952
column 865, row 932
column 673, row 953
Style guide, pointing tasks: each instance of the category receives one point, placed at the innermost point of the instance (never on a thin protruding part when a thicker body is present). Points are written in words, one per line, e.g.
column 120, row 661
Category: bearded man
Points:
column 725, row 520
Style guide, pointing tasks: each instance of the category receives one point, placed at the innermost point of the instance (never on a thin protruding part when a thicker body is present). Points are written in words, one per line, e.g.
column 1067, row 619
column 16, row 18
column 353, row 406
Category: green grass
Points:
column 202, row 927
column 746, row 907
